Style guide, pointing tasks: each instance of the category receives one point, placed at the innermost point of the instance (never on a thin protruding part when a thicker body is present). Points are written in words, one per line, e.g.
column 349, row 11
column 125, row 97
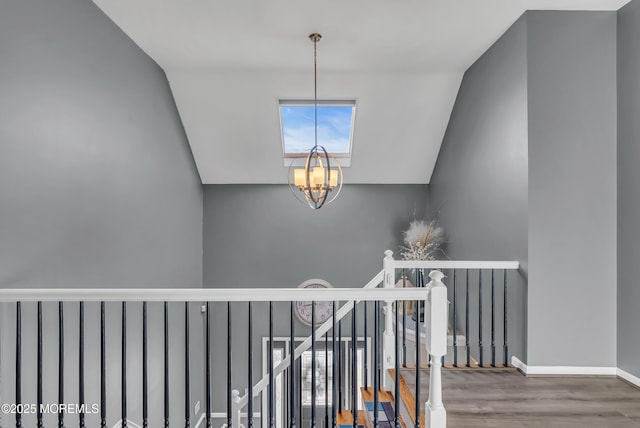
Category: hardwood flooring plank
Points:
column 505, row 398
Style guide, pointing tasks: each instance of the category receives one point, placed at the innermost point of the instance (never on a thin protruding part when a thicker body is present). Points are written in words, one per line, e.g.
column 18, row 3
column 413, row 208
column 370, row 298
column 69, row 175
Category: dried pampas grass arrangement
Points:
column 422, row 240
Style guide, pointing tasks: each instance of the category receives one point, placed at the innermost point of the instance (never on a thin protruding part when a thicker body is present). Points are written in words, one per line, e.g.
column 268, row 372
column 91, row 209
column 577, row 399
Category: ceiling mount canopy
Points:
column 320, row 181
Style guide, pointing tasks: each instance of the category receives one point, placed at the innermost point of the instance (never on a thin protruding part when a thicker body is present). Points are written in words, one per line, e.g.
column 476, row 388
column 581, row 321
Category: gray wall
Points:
column 97, row 183
column 628, row 180
column 260, row 236
column 98, row 186
column 527, row 171
column 480, row 181
column 572, row 188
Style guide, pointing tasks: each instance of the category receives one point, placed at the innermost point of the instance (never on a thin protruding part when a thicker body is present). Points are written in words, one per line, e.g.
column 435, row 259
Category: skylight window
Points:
column 335, row 128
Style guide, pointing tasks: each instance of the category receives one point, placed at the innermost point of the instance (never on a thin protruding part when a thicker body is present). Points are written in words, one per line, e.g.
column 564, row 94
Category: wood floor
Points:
column 506, row 398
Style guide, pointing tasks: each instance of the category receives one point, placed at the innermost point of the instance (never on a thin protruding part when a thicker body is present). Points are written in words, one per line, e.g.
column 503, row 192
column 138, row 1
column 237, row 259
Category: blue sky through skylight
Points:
column 334, row 128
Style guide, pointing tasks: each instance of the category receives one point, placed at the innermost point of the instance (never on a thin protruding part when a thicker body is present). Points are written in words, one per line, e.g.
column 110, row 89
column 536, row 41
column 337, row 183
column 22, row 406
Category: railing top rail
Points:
column 454, row 264
column 210, row 294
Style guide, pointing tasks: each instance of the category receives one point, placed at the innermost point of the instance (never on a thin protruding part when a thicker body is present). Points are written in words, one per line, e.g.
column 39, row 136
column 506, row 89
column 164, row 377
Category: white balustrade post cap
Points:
column 388, row 254
column 436, row 275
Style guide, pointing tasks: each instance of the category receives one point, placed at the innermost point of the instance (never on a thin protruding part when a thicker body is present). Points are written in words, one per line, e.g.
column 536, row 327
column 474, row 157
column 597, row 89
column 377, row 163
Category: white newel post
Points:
column 436, row 321
column 388, row 339
column 236, row 408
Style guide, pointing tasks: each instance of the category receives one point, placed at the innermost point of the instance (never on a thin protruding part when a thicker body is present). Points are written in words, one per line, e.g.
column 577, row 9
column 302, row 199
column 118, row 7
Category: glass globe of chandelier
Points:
column 320, row 180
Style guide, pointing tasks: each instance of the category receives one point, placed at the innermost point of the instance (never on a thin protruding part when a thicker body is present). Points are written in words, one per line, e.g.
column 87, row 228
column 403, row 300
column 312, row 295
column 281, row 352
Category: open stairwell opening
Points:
column 144, row 359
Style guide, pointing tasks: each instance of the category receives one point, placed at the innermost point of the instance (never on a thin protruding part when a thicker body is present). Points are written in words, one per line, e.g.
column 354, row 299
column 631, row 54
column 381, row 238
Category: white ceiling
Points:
column 228, row 61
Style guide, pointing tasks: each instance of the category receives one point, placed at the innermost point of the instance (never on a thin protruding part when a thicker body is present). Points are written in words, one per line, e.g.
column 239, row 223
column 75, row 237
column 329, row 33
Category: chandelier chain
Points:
column 315, row 89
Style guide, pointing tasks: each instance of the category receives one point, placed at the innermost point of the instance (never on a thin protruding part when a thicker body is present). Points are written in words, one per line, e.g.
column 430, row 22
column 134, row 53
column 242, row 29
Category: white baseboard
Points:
column 563, row 370
column 515, row 362
column 629, row 377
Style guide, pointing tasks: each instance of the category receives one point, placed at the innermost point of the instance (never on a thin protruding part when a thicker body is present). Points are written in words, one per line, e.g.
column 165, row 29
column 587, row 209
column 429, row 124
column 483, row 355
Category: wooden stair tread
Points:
column 367, row 395
column 345, row 418
column 407, row 398
column 383, row 397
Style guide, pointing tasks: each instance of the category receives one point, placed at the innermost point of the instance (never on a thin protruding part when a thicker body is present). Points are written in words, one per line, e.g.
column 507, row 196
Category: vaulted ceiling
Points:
column 229, row 61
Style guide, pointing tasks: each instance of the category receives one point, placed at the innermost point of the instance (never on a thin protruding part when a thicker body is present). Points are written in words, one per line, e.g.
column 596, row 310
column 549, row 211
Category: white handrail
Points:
column 238, row 294
column 362, row 294
column 212, row 295
column 454, row 264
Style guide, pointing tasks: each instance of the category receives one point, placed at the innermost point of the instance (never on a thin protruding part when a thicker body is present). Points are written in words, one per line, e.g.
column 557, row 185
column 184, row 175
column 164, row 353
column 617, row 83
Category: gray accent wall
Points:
column 572, row 188
column 527, row 171
column 480, row 181
column 259, row 236
column 628, row 184
column 98, row 188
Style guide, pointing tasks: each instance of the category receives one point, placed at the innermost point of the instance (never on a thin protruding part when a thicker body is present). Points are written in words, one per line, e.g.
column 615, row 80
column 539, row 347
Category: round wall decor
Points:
column 324, row 310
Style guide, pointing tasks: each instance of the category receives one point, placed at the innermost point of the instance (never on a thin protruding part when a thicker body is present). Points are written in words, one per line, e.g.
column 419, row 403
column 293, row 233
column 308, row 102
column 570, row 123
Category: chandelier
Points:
column 320, row 181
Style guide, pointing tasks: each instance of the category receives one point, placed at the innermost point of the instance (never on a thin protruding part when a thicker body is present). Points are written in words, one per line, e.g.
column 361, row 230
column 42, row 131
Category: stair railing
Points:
column 118, row 314
column 345, row 309
column 436, row 329
column 434, row 323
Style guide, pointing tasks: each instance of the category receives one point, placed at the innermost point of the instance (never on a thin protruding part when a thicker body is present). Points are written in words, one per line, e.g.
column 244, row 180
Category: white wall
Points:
column 232, row 122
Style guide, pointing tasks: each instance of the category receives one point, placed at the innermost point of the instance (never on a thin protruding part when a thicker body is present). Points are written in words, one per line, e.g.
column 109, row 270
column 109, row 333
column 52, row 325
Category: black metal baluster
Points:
column 292, row 375
column 60, row 362
column 366, row 349
column 249, row 369
column 480, row 344
column 300, row 407
column 229, row 410
column 396, row 392
column 339, row 368
column 103, row 382
column 123, row 380
column 376, row 363
column 81, row 414
column 505, row 345
column 354, row 365
column 404, row 323
column 187, row 369
column 326, row 380
column 334, row 355
column 145, row 369
column 455, row 325
column 313, row 364
column 417, row 394
column 18, row 362
column 166, row 365
column 39, row 392
column 466, row 320
column 493, row 319
column 272, row 416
